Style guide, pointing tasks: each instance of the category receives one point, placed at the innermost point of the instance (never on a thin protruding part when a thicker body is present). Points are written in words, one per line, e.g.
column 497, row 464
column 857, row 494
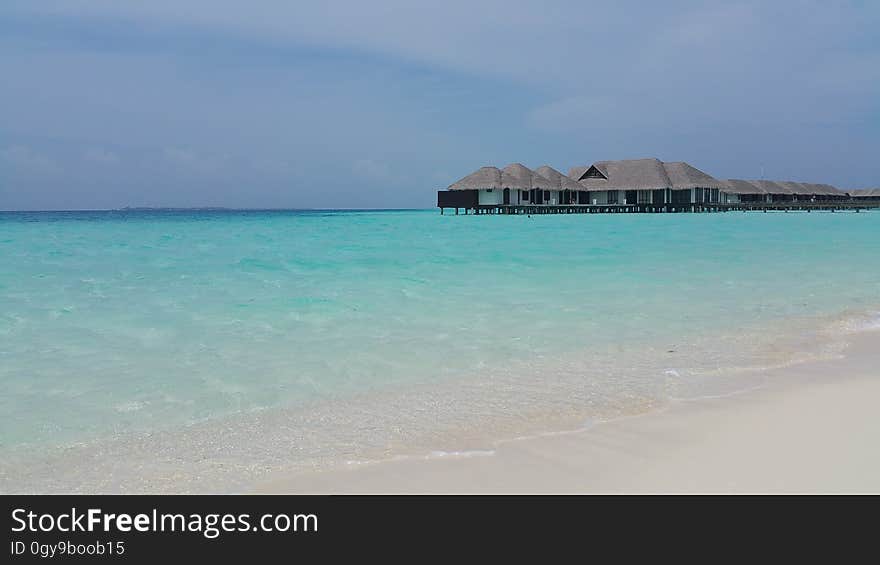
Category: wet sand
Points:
column 813, row 428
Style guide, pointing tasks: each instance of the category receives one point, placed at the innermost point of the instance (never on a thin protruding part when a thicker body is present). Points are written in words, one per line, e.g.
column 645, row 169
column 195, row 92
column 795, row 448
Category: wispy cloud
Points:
column 254, row 106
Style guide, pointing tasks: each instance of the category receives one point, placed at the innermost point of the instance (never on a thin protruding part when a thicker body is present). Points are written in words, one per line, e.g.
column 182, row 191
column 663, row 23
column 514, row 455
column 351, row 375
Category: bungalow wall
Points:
column 682, row 197
column 602, row 197
column 491, row 197
column 752, row 197
column 540, row 197
column 457, row 198
column 730, row 198
column 707, row 196
column 830, row 197
column 567, row 197
column 598, row 197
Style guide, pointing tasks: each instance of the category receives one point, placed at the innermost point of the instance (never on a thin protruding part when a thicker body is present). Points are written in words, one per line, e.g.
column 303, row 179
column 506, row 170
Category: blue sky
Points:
column 378, row 104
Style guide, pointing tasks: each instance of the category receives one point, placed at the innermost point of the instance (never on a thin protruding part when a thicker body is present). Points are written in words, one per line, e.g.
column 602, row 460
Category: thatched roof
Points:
column 795, row 187
column 632, row 174
column 684, row 176
column 520, row 177
column 560, row 181
column 738, row 186
column 812, row 188
column 598, row 170
column 772, row 187
column 486, row 177
column 642, row 174
column 864, row 192
column 514, row 176
column 827, row 189
column 576, row 173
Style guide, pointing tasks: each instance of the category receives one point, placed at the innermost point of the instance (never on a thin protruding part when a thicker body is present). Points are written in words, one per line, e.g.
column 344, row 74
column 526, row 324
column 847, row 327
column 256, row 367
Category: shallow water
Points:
column 220, row 344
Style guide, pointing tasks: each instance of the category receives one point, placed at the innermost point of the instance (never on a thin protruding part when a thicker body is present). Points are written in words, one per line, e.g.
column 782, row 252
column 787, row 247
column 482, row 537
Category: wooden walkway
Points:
column 839, row 206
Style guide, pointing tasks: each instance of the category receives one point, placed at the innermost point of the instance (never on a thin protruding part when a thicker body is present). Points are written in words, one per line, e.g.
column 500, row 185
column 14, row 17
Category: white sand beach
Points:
column 814, row 428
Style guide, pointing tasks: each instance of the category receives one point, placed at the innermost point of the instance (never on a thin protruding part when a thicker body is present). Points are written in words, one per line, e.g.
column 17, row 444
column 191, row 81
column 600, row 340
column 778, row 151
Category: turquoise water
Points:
column 367, row 329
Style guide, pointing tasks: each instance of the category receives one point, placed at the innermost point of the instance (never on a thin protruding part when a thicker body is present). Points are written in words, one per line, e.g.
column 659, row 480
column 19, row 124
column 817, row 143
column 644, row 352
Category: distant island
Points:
column 172, row 209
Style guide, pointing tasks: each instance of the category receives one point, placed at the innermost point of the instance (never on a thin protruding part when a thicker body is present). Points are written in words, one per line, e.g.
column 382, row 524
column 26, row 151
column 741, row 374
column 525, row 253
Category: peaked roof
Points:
column 577, row 173
column 520, row 177
column 560, row 181
column 633, row 174
column 644, row 174
column 485, row 177
column 684, row 176
column 515, row 176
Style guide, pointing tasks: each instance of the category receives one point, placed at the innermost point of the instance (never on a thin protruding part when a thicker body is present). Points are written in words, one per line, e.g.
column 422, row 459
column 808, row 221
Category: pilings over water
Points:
column 669, row 208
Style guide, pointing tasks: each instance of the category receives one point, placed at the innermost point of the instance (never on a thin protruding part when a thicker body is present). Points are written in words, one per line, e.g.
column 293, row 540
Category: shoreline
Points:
column 238, row 455
column 811, row 427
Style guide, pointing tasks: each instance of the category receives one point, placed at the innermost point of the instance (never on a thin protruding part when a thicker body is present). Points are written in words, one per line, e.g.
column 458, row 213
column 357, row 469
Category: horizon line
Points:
column 209, row 209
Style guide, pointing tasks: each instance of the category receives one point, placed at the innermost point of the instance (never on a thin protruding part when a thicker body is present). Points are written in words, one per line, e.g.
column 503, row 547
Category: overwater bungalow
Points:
column 633, row 185
column 781, row 191
column 647, row 183
column 525, row 185
column 866, row 194
column 569, row 192
column 490, row 187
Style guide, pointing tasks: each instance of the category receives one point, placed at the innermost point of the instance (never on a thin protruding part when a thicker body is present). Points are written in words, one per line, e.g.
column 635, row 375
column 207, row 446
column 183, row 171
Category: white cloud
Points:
column 547, row 44
column 492, row 37
column 531, row 80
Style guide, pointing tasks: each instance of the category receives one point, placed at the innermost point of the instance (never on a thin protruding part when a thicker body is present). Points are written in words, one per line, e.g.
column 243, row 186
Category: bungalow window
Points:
column 525, row 195
column 546, row 195
column 612, row 197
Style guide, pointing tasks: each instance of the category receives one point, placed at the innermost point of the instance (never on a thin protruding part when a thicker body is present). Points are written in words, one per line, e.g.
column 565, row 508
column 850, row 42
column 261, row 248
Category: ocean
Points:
column 202, row 350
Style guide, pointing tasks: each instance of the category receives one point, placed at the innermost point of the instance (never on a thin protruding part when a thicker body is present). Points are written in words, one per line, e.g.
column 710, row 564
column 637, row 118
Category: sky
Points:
column 352, row 104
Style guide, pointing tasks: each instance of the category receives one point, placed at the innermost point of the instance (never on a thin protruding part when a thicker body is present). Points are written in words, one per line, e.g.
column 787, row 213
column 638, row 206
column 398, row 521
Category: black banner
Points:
column 136, row 529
